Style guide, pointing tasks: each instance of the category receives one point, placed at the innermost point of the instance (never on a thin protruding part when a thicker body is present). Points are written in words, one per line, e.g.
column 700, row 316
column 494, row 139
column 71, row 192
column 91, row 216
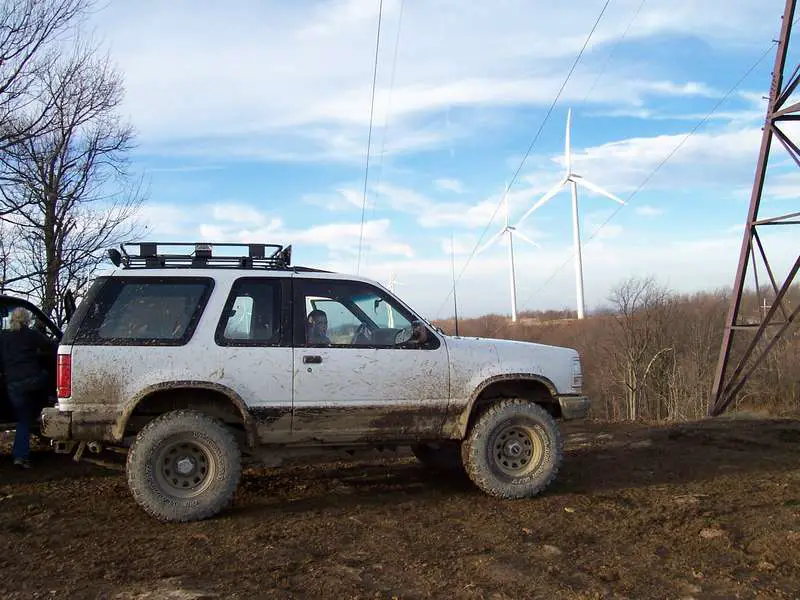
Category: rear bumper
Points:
column 65, row 425
column 574, row 407
column 56, row 425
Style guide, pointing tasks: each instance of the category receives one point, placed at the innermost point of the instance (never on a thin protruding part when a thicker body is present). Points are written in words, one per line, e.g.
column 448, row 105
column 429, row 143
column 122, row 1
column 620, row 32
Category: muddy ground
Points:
column 704, row 510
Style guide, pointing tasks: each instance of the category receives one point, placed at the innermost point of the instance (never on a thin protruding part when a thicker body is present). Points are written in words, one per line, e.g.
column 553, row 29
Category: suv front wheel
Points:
column 184, row 466
column 514, row 450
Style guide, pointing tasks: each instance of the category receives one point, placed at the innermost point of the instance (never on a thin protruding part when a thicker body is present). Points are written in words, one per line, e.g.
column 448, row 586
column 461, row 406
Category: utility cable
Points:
column 369, row 134
column 613, row 51
column 388, row 108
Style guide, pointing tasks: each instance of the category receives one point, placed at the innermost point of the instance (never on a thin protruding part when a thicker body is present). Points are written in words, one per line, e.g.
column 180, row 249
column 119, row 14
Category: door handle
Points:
column 312, row 360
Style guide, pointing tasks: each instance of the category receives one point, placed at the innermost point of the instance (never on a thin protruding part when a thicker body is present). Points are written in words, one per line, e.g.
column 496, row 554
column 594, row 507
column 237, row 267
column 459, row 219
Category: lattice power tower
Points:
column 758, row 331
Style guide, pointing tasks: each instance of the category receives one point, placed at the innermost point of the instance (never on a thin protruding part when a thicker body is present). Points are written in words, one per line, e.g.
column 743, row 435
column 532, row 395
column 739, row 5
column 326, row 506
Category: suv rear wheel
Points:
column 514, row 450
column 184, row 466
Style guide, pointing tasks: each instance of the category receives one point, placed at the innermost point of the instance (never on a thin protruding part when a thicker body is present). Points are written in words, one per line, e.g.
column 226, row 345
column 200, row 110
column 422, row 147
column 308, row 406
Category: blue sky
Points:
column 252, row 120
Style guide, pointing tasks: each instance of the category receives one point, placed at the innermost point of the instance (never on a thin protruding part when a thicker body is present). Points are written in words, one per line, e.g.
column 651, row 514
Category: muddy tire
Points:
column 445, row 456
column 183, row 466
column 514, row 450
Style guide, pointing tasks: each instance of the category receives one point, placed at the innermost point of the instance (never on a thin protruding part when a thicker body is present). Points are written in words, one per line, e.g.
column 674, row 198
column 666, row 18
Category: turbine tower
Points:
column 574, row 180
column 391, row 285
column 511, row 231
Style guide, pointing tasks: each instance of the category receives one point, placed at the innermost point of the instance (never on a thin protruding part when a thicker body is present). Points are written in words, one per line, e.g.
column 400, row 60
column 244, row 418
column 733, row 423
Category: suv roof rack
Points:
column 264, row 256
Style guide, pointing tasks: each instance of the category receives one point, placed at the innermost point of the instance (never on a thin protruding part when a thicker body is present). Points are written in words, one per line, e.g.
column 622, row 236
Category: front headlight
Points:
column 577, row 375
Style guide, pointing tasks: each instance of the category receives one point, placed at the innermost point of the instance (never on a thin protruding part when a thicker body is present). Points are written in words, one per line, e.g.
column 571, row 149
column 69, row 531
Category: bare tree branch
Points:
column 29, row 32
column 67, row 190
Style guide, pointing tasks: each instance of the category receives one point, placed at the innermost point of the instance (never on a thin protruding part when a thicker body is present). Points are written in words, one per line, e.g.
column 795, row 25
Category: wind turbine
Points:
column 574, row 180
column 511, row 230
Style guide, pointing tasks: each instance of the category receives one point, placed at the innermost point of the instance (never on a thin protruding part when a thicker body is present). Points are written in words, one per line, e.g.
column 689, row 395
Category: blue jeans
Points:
column 22, row 397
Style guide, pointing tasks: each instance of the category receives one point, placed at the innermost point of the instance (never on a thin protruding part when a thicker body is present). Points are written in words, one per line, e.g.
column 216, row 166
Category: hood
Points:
column 481, row 358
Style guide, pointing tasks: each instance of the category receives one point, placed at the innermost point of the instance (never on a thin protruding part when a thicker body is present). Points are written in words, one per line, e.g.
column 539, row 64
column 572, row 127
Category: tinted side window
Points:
column 84, row 308
column 252, row 315
column 351, row 314
column 145, row 311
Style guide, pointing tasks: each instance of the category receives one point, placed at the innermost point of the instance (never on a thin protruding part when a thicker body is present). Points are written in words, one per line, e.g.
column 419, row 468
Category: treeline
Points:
column 651, row 354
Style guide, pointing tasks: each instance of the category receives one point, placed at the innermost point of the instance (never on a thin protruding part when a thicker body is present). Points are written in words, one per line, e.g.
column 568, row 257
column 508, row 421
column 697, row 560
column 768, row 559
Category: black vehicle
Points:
column 41, row 323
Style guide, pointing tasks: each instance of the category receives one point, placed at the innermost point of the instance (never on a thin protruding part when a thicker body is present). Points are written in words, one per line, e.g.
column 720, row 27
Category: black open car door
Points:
column 45, row 326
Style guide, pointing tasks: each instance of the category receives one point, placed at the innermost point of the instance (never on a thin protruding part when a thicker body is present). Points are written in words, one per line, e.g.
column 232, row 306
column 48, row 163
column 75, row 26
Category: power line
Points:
column 657, row 168
column 369, row 135
column 527, row 152
column 613, row 51
column 389, row 103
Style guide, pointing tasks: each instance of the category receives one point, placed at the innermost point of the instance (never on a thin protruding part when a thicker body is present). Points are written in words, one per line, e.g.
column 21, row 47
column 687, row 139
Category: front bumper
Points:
column 574, row 407
column 65, row 425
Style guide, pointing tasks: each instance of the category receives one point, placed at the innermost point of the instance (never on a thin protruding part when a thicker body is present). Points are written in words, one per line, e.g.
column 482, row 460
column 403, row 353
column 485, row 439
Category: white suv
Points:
column 197, row 361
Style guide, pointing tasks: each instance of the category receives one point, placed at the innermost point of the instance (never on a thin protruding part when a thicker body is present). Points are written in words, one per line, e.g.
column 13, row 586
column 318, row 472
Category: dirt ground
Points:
column 701, row 510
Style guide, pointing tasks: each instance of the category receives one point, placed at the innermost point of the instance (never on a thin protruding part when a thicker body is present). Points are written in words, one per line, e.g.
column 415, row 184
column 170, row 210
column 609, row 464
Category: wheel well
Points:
column 211, row 402
column 529, row 389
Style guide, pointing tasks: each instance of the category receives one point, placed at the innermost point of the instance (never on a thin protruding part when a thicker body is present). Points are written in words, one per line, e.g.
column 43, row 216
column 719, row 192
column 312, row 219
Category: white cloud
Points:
column 706, row 159
column 282, row 81
column 161, row 219
column 646, row 210
column 691, row 88
column 240, row 214
column 450, row 185
column 235, row 223
column 342, row 199
column 783, row 186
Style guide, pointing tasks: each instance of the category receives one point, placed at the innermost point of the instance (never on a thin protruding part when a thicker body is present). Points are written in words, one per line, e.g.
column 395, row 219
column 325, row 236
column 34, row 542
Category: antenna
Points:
column 453, row 268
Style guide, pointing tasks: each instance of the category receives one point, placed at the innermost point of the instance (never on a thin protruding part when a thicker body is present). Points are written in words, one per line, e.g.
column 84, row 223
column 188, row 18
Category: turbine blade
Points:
column 491, row 241
column 567, row 149
column 525, row 238
column 553, row 191
column 596, row 188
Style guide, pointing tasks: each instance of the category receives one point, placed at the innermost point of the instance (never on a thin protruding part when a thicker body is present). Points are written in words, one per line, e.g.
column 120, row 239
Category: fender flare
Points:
column 462, row 420
column 188, row 385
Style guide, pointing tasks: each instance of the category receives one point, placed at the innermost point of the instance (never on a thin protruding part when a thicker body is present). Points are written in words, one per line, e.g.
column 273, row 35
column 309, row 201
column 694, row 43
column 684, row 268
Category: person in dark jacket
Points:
column 23, row 352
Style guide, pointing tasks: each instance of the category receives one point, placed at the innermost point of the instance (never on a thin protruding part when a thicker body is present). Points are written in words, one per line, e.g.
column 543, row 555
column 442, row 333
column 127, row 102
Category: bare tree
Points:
column 642, row 317
column 29, row 30
column 68, row 191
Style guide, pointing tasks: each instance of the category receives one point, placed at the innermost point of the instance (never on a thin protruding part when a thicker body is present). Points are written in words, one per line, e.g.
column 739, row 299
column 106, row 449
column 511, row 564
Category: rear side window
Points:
column 253, row 314
column 145, row 311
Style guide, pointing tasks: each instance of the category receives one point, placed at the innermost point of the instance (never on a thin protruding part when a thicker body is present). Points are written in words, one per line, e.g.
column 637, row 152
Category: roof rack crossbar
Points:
column 253, row 256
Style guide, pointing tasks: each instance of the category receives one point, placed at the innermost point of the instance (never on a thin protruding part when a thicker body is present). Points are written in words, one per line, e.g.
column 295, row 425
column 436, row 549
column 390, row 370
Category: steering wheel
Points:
column 362, row 336
column 405, row 335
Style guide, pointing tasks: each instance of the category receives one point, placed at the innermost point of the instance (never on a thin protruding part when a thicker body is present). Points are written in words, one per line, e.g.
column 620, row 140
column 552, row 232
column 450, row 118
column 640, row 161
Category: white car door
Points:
column 363, row 379
column 253, row 344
